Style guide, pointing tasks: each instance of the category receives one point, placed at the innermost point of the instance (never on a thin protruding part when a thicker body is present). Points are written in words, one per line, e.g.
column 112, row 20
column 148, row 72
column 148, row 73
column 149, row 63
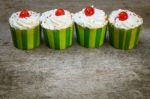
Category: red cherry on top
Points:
column 59, row 12
column 24, row 13
column 89, row 11
column 123, row 16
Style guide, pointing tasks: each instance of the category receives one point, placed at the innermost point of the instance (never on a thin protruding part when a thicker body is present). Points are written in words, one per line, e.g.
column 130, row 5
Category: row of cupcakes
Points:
column 90, row 24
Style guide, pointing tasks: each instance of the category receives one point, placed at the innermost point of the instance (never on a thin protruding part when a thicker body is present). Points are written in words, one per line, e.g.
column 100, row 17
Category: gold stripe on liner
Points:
column 62, row 37
column 92, row 38
column 102, row 35
column 132, row 40
column 30, row 39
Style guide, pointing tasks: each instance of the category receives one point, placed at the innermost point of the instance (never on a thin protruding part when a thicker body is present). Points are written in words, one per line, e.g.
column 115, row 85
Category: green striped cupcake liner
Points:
column 124, row 39
column 26, row 39
column 58, row 39
column 90, row 38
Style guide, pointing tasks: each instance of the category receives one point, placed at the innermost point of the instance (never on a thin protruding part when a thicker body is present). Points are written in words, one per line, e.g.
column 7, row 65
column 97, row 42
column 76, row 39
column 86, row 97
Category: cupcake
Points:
column 124, row 29
column 25, row 29
column 91, row 26
column 57, row 26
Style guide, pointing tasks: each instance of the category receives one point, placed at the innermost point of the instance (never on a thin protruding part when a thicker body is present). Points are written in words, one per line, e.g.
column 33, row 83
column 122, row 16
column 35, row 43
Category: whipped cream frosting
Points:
column 50, row 21
column 24, row 23
column 133, row 19
column 97, row 20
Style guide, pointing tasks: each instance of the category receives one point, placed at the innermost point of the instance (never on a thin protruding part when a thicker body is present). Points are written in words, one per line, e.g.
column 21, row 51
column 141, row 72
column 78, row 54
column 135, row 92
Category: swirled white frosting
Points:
column 24, row 23
column 50, row 21
column 133, row 19
column 97, row 20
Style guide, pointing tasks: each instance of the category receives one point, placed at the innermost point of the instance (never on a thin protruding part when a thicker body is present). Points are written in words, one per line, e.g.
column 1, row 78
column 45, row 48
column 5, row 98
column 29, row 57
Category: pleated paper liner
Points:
column 26, row 39
column 124, row 39
column 58, row 39
column 90, row 38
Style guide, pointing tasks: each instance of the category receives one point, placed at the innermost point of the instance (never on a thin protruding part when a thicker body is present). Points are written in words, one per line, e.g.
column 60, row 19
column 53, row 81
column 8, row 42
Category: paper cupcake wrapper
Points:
column 90, row 38
column 124, row 39
column 26, row 39
column 58, row 39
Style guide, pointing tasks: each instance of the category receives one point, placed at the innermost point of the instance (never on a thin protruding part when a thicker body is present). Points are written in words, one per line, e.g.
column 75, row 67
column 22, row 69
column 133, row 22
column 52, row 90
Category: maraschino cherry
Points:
column 123, row 16
column 59, row 12
column 24, row 13
column 89, row 11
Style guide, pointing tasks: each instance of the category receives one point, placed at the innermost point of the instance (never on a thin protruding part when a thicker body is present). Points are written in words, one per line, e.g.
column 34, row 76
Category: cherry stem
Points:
column 92, row 2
